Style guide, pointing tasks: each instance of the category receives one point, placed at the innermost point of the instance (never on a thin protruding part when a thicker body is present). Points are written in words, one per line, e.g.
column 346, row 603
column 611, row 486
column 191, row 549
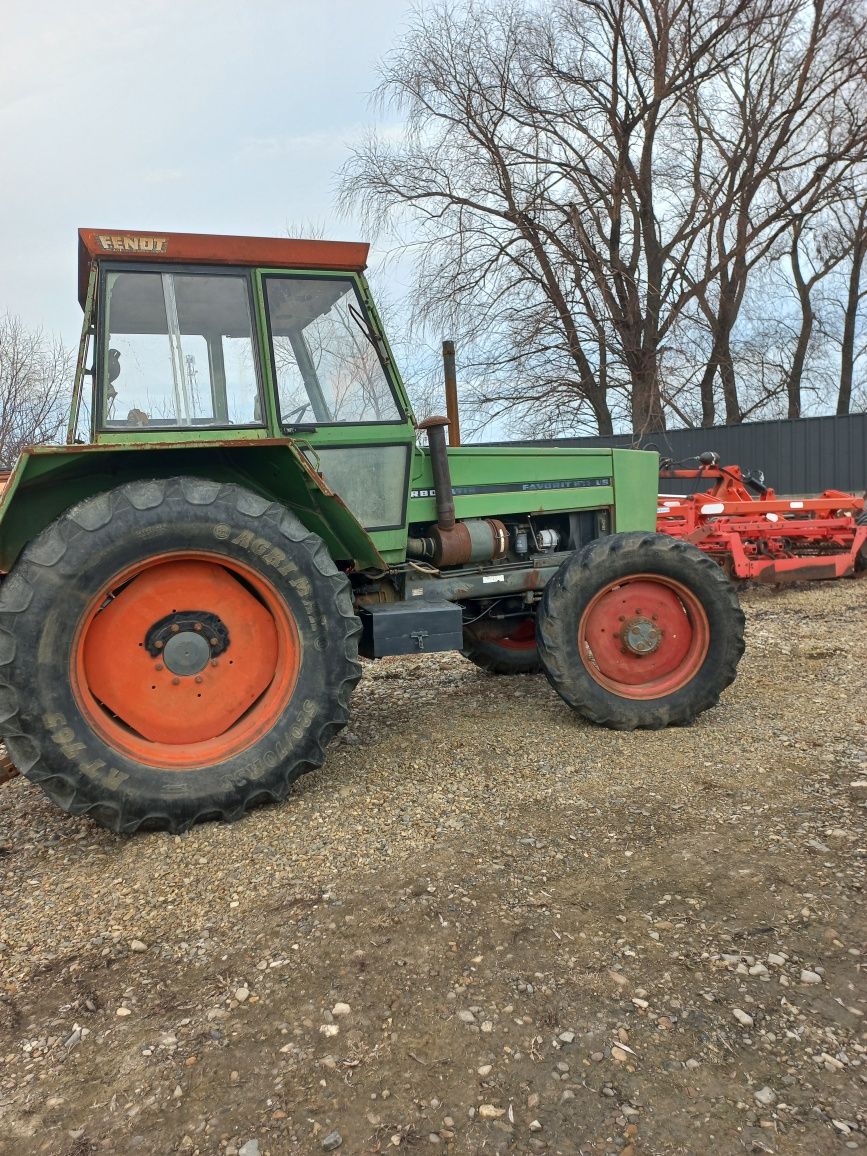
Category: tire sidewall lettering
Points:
column 274, row 755
column 75, row 750
column 277, row 559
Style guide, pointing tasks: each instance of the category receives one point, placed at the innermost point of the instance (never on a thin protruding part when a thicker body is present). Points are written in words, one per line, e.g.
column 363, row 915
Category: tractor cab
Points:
column 191, row 338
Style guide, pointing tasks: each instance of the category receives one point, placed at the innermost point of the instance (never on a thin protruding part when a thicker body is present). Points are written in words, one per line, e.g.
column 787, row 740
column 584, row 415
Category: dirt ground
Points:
column 483, row 927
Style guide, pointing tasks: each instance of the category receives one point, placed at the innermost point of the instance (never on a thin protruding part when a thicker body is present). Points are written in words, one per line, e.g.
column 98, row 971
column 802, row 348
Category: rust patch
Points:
column 210, row 249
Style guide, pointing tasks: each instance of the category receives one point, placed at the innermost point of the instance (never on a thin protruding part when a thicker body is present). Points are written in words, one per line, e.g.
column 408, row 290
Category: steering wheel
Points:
column 295, row 415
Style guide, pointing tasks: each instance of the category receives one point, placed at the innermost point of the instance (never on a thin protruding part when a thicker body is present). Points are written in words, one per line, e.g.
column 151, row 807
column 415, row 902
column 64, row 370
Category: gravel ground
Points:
column 483, row 927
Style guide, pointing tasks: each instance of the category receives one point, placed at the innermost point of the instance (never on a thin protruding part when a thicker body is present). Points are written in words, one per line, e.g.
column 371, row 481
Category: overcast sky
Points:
column 196, row 116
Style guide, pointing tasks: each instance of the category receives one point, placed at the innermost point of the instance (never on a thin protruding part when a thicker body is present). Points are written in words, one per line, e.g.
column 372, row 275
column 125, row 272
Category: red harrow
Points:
column 755, row 535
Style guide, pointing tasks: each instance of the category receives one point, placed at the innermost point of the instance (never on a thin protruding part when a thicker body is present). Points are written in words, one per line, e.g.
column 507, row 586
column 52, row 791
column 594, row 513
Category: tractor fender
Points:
column 47, row 480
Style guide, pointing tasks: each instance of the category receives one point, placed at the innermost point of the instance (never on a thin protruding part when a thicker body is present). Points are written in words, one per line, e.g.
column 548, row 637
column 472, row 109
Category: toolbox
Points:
column 414, row 627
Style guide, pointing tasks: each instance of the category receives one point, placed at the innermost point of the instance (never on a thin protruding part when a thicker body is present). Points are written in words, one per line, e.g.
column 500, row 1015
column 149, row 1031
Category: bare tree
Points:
column 782, row 128
column 590, row 184
column 822, row 252
column 538, row 167
column 852, row 220
column 35, row 376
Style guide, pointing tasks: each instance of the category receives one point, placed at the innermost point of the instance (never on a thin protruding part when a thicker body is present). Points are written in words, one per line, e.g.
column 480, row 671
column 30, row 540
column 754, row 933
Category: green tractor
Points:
column 243, row 508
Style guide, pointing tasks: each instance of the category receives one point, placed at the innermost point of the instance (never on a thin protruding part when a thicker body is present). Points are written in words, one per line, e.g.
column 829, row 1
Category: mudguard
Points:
column 47, row 480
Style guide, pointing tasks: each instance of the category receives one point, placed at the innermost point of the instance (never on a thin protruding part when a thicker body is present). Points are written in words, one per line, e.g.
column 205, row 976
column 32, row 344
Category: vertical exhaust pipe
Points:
column 453, row 543
column 435, row 428
column 451, row 393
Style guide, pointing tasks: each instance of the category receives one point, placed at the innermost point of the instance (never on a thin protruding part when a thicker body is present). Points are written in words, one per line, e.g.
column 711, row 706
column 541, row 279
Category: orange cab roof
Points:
column 211, row 249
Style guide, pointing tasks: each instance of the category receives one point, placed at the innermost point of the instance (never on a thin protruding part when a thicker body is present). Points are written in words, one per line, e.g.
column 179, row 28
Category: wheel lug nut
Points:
column 159, row 644
column 175, row 628
column 198, row 678
column 213, row 641
column 213, row 662
column 158, row 666
column 176, row 682
column 197, row 626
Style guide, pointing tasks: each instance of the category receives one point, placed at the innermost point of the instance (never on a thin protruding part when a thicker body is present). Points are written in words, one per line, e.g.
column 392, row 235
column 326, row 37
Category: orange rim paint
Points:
column 644, row 636
column 210, row 691
column 523, row 637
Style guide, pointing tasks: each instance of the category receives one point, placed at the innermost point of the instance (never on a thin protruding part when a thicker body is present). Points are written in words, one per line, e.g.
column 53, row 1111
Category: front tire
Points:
column 640, row 630
column 173, row 651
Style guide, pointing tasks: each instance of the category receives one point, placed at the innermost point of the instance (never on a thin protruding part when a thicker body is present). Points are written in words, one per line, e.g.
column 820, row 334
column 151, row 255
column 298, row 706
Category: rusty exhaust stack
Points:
column 442, row 478
column 451, row 393
column 454, row 543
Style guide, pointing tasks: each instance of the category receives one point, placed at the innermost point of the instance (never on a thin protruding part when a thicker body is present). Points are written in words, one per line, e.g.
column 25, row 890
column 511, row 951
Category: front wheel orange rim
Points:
column 644, row 636
column 185, row 660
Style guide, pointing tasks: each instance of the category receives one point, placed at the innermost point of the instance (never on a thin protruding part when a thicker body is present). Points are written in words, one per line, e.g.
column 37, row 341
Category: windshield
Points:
column 177, row 351
column 328, row 361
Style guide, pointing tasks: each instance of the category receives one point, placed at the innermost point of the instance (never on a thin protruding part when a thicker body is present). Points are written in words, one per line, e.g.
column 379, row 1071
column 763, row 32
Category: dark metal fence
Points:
column 797, row 457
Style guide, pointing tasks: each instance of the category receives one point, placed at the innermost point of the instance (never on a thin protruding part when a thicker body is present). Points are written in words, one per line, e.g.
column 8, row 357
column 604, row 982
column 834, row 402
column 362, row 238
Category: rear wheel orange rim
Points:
column 644, row 636
column 523, row 637
column 185, row 660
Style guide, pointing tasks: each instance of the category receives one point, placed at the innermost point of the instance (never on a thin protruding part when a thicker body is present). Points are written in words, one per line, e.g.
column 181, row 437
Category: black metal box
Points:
column 412, row 627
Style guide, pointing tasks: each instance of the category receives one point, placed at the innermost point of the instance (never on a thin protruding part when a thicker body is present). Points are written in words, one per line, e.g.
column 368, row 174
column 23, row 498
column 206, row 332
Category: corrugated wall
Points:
column 798, row 457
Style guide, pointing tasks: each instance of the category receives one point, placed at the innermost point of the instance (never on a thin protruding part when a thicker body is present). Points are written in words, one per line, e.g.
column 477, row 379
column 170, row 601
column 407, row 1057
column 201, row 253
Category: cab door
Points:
column 334, row 388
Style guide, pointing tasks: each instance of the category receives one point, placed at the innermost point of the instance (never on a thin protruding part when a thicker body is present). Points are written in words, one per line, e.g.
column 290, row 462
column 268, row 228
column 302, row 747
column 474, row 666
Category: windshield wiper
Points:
column 373, row 337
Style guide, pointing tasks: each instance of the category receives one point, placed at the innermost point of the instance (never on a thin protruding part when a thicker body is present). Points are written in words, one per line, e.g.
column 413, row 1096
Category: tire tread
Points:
column 554, row 633
column 44, row 557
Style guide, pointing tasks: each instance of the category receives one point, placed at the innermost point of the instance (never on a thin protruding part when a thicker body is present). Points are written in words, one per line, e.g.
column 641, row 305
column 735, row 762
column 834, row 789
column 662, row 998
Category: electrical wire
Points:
column 487, row 610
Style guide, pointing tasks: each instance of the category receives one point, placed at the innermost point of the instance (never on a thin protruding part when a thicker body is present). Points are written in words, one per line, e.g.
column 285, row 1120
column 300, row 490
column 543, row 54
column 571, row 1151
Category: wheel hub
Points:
column 641, row 636
column 210, row 626
column 186, row 653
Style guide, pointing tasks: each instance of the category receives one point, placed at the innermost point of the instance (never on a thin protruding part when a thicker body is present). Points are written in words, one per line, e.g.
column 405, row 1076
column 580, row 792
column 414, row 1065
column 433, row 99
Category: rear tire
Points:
column 173, row 651
column 626, row 665
column 516, row 653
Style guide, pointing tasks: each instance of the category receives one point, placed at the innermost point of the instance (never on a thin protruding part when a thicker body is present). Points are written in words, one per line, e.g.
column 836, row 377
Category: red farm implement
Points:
column 756, row 535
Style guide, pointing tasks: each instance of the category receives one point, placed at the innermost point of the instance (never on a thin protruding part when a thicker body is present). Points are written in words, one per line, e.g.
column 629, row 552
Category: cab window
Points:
column 327, row 358
column 177, row 351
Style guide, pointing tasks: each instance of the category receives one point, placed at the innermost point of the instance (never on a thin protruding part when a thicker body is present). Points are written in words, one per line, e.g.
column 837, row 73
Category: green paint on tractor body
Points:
column 281, row 379
column 243, row 510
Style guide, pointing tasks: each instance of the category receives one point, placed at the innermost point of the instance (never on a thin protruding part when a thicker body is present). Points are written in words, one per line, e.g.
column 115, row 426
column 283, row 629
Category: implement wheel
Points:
column 196, row 648
column 514, row 653
column 640, row 630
